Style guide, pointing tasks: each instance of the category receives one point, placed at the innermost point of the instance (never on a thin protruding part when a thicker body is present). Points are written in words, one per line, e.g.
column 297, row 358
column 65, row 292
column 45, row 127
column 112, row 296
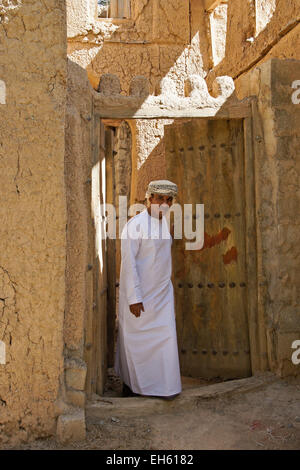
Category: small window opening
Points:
column 113, row 8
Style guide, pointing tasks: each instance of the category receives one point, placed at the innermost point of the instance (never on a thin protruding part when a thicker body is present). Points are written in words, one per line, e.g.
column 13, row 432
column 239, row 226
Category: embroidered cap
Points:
column 162, row 187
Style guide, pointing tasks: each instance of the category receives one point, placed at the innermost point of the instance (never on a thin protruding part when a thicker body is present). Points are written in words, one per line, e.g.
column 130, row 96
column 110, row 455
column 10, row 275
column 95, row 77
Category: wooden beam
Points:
column 236, row 111
column 112, row 122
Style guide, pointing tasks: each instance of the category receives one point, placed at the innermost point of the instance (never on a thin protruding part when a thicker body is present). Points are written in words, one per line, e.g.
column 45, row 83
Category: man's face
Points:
column 160, row 204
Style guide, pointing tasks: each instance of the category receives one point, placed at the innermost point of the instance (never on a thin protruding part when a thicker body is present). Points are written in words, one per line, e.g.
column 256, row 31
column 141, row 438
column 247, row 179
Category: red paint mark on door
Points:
column 230, row 255
column 212, row 240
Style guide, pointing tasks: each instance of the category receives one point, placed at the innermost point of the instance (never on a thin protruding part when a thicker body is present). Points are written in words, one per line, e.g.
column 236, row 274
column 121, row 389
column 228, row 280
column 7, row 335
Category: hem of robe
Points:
column 119, row 370
column 134, row 390
column 158, row 395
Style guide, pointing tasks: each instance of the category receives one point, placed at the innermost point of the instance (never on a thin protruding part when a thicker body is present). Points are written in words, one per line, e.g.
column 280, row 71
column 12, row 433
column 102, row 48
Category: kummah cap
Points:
column 162, row 187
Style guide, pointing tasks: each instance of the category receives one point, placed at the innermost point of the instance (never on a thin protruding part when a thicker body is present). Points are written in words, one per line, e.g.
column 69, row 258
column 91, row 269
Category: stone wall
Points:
column 33, row 215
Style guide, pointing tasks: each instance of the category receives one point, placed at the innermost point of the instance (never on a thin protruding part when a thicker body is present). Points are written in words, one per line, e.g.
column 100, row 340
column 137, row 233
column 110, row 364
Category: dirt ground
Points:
column 263, row 419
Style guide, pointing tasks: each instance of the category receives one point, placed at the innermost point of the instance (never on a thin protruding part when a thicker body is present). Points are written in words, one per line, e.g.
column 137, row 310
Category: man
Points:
column 147, row 353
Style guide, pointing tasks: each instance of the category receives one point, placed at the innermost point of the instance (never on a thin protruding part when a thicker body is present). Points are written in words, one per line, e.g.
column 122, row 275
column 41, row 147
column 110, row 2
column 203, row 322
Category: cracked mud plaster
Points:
column 156, row 41
column 33, row 215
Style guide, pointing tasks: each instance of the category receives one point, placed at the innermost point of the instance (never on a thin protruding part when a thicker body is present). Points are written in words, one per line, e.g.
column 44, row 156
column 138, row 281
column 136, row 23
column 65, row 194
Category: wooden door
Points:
column 206, row 159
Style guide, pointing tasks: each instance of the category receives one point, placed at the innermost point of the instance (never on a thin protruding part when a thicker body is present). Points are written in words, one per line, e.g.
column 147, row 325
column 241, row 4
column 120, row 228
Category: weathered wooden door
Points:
column 206, row 159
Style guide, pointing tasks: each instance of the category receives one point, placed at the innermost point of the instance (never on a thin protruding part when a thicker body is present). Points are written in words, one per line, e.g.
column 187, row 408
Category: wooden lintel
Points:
column 112, row 122
column 118, row 113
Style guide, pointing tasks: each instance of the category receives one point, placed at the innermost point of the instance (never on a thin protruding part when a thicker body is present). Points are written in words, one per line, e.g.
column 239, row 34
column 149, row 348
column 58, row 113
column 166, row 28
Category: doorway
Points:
column 209, row 161
column 118, row 163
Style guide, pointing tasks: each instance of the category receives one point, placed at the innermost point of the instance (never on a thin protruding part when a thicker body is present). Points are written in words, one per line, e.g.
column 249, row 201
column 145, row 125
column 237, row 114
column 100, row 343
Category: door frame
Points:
column 229, row 109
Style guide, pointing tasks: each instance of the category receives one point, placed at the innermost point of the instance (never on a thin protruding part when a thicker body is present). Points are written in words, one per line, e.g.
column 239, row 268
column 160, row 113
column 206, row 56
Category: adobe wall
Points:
column 277, row 174
column 33, row 215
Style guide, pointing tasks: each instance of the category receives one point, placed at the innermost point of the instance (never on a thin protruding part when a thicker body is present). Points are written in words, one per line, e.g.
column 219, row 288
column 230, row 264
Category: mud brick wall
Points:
column 32, row 214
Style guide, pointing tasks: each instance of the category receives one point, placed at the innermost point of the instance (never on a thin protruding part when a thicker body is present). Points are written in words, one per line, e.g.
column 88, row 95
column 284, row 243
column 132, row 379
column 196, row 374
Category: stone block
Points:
column 109, row 84
column 71, row 427
column 76, row 398
column 139, row 86
column 75, row 373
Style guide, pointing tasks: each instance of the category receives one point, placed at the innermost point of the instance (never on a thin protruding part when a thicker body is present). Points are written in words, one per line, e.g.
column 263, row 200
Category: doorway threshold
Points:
column 109, row 406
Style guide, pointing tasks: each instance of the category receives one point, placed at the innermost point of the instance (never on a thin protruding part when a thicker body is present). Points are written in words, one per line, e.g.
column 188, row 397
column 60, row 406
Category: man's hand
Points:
column 136, row 309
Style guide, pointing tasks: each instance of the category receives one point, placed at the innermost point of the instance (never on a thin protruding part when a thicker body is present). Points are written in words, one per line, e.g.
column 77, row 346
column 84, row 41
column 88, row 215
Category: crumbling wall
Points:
column 33, row 215
column 218, row 32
